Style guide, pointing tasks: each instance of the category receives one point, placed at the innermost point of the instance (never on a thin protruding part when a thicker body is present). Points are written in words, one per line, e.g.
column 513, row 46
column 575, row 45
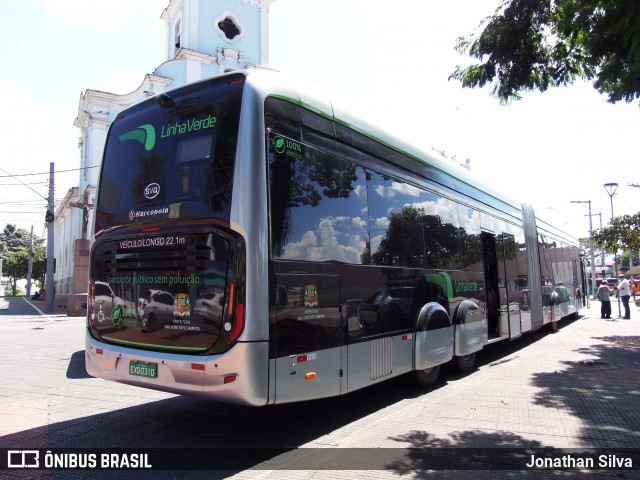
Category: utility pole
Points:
column 50, row 253
column 611, row 189
column 30, row 264
column 593, row 259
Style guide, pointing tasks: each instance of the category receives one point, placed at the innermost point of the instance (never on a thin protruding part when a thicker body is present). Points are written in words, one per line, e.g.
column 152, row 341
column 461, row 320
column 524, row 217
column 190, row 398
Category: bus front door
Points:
column 307, row 332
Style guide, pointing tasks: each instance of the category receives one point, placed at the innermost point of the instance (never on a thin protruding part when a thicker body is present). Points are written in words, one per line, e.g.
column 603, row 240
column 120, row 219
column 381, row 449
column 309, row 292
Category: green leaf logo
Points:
column 145, row 134
column 278, row 144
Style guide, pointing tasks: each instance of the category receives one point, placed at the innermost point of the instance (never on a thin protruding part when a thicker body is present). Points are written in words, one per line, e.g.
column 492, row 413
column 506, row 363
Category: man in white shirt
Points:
column 624, row 293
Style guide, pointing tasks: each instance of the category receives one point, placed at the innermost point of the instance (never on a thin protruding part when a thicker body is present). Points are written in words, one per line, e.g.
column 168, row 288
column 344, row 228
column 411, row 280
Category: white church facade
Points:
column 203, row 38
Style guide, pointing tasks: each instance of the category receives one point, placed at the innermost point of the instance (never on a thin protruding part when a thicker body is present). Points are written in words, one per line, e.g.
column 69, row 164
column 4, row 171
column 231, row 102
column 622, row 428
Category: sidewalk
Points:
column 59, row 308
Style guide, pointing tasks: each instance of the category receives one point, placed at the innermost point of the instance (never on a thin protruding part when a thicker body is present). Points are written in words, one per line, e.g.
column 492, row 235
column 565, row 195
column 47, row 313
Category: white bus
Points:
column 263, row 246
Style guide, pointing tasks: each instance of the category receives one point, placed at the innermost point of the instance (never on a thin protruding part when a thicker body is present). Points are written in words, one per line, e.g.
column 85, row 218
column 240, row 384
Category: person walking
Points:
column 624, row 293
column 604, row 295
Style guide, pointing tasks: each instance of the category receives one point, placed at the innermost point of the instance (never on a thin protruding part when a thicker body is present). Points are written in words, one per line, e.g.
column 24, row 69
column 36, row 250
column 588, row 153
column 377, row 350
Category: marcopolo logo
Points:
column 145, row 134
column 135, row 214
column 151, row 191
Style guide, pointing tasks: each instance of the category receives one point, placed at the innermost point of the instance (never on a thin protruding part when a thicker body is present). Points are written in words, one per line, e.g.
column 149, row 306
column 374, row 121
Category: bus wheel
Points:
column 466, row 362
column 428, row 376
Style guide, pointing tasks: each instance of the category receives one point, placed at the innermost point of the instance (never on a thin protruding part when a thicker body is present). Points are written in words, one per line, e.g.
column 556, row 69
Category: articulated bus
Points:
column 255, row 244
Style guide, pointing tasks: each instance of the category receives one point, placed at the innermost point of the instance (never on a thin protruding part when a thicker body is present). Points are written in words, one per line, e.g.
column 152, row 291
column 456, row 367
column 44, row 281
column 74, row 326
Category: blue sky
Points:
column 388, row 60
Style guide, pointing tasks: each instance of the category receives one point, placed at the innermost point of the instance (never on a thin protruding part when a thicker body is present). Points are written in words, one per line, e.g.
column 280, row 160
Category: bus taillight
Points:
column 238, row 325
column 90, row 304
column 232, row 299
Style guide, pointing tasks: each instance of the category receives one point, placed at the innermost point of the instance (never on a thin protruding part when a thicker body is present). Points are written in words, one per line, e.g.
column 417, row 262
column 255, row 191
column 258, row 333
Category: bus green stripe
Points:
column 373, row 137
column 152, row 345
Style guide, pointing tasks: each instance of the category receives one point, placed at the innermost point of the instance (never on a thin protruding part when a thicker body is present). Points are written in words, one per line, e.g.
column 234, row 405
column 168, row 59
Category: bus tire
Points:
column 465, row 362
column 427, row 377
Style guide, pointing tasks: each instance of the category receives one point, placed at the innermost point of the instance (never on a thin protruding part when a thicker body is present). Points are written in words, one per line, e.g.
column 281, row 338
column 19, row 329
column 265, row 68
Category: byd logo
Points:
column 151, row 191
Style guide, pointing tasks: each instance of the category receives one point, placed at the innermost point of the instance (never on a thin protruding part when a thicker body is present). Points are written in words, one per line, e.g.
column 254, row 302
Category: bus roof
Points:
column 270, row 82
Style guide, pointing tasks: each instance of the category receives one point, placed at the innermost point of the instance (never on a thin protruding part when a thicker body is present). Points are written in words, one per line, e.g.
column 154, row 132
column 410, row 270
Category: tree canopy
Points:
column 622, row 234
column 14, row 249
column 531, row 45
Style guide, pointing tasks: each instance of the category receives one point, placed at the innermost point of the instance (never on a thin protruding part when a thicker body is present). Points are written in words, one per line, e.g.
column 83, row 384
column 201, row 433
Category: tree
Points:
column 14, row 241
column 536, row 44
column 37, row 270
column 17, row 266
column 622, row 234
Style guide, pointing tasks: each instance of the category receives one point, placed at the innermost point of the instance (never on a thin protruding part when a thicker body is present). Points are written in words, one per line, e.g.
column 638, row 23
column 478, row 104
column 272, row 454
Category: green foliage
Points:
column 14, row 239
column 14, row 248
column 536, row 44
column 623, row 260
column 622, row 234
column 17, row 267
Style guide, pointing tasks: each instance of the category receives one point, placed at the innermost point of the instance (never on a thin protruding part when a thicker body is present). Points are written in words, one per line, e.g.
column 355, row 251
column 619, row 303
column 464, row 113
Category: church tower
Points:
column 206, row 37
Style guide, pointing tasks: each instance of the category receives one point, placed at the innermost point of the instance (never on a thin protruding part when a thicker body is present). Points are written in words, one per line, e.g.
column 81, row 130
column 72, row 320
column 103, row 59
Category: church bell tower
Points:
column 215, row 36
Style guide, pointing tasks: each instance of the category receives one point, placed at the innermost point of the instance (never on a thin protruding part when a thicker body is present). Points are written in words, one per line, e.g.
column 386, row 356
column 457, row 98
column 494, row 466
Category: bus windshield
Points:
column 172, row 157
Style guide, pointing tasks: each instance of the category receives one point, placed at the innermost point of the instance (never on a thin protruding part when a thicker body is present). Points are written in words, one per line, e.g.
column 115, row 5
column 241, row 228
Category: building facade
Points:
column 203, row 38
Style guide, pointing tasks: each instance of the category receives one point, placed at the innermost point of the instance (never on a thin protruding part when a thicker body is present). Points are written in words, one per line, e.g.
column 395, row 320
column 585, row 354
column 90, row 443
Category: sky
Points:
column 389, row 62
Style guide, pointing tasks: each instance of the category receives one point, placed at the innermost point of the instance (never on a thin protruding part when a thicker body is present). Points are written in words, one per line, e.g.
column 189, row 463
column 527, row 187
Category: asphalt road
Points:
column 576, row 389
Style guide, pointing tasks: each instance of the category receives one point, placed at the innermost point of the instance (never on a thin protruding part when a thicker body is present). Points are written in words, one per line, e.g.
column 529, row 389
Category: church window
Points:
column 177, row 35
column 229, row 27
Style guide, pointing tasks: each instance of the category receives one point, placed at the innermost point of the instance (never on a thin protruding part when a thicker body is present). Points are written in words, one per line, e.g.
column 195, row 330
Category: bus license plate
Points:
column 143, row 369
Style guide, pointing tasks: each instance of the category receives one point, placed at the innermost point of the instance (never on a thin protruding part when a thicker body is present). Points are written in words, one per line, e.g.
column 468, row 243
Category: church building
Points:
column 204, row 38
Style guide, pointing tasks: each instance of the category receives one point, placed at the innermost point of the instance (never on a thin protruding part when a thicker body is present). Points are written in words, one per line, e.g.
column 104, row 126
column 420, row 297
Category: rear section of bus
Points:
column 167, row 274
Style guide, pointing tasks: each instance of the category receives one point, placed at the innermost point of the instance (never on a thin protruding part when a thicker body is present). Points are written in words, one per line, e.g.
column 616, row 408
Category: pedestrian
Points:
column 624, row 293
column 633, row 291
column 604, row 295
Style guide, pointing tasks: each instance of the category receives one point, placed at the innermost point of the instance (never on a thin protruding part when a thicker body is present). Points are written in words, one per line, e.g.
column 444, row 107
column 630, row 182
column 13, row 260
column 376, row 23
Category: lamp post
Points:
column 611, row 190
column 593, row 261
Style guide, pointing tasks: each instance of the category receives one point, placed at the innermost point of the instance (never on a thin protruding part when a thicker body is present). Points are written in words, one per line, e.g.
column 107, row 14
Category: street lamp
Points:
column 611, row 190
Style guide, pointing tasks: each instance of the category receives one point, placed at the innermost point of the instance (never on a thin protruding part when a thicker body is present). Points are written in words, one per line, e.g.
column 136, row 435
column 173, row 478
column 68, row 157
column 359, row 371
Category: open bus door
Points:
column 501, row 285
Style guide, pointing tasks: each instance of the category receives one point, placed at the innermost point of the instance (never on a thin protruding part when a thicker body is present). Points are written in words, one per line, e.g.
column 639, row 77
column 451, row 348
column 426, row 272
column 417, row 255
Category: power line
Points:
column 24, row 184
column 18, row 184
column 22, row 202
column 47, row 173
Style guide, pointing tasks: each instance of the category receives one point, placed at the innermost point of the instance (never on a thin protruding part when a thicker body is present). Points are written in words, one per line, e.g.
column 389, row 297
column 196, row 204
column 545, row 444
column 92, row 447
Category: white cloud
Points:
column 334, row 238
column 102, row 14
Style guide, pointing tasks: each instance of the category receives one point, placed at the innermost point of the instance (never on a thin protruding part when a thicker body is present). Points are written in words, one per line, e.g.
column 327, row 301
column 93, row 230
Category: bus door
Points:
column 511, row 292
column 307, row 331
column 496, row 315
